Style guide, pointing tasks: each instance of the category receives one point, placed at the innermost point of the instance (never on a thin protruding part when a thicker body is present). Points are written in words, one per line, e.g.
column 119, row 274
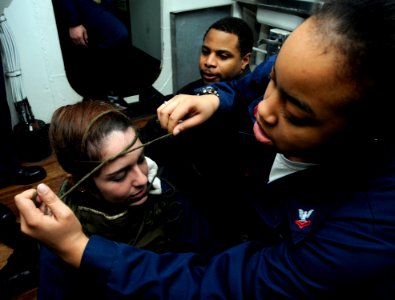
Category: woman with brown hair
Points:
column 115, row 191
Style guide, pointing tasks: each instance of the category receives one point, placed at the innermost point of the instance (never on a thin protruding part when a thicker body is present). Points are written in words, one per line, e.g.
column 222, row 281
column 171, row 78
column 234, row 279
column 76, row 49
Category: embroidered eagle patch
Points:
column 303, row 218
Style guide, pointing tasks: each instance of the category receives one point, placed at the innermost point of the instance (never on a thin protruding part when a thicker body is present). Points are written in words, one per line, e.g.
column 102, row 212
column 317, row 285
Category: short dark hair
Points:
column 238, row 27
column 368, row 49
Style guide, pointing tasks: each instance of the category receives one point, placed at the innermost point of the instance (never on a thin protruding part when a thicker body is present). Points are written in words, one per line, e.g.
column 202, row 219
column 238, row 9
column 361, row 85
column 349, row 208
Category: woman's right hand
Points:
column 53, row 223
column 186, row 111
column 79, row 35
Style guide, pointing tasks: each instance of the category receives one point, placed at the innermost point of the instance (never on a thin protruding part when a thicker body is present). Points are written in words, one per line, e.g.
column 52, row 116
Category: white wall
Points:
column 32, row 23
column 145, row 18
column 33, row 26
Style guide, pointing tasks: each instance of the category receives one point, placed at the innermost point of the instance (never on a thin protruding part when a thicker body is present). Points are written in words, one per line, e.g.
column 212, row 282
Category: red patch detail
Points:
column 302, row 224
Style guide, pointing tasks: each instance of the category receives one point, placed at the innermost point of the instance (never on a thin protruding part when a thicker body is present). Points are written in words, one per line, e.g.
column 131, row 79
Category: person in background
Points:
column 123, row 199
column 97, row 51
column 327, row 202
column 203, row 156
column 225, row 53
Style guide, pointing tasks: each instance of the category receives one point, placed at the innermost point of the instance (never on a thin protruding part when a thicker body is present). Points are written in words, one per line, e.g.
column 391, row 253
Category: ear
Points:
column 245, row 61
column 70, row 178
column 71, row 181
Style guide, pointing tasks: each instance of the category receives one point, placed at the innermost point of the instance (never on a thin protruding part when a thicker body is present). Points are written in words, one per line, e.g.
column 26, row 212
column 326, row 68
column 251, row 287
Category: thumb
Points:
column 188, row 123
column 51, row 200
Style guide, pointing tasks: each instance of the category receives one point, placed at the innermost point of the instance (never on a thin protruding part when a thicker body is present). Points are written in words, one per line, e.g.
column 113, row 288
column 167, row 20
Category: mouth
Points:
column 138, row 198
column 261, row 135
column 208, row 77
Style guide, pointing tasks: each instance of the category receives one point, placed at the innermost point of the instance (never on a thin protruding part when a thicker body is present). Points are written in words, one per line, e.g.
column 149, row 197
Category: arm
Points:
column 304, row 266
column 248, row 271
column 331, row 260
column 79, row 35
column 233, row 95
column 247, row 89
column 67, row 11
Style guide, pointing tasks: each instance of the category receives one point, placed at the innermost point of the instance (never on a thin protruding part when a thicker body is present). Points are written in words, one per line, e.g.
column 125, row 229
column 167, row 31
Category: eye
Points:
column 141, row 159
column 297, row 121
column 119, row 177
column 224, row 56
column 205, row 51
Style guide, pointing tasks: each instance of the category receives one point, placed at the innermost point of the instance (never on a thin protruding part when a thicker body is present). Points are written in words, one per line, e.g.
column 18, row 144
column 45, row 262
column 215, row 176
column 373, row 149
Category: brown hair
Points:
column 77, row 133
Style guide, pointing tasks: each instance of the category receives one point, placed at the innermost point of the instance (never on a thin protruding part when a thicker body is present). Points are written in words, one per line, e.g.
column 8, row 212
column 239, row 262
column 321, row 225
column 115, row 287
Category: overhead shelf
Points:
column 301, row 8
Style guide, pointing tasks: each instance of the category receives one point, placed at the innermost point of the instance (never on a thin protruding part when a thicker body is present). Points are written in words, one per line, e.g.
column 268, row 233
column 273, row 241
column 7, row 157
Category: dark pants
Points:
column 110, row 65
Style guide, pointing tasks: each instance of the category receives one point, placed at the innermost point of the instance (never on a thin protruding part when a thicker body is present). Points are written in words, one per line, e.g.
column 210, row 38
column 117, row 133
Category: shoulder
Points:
column 265, row 67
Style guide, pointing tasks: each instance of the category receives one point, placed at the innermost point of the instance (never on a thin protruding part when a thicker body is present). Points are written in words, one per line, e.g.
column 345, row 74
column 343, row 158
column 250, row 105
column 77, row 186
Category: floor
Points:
column 55, row 177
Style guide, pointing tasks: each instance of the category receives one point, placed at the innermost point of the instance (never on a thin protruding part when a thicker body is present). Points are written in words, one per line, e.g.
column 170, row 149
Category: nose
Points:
column 137, row 176
column 268, row 109
column 210, row 60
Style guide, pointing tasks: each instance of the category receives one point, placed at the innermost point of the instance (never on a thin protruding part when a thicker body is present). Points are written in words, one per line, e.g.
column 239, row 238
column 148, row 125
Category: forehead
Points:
column 117, row 141
column 217, row 39
column 311, row 69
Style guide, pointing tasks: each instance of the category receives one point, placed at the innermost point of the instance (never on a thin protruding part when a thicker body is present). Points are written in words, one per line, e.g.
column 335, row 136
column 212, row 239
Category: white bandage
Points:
column 156, row 187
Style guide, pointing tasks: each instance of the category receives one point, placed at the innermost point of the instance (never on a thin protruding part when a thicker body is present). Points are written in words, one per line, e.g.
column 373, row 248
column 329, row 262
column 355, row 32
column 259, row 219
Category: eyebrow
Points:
column 223, row 51
column 123, row 169
column 298, row 103
column 218, row 51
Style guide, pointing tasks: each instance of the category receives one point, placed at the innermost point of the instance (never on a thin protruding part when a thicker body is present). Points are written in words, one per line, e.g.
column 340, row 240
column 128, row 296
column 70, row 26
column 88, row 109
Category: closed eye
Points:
column 298, row 121
column 224, row 55
column 120, row 175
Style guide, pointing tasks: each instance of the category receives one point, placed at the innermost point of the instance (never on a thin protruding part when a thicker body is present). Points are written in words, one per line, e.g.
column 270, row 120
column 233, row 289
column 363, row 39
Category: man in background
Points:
column 225, row 53
column 205, row 161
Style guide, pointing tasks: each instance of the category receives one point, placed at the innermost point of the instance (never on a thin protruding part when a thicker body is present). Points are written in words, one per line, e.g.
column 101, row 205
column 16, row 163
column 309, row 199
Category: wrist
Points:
column 212, row 94
column 73, row 252
column 207, row 90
